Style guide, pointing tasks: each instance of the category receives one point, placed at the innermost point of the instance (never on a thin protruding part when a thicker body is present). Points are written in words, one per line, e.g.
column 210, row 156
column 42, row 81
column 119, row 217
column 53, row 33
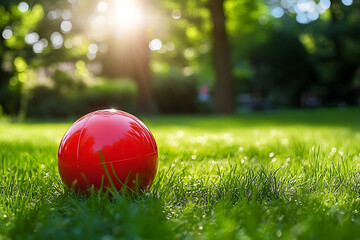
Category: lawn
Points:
column 286, row 174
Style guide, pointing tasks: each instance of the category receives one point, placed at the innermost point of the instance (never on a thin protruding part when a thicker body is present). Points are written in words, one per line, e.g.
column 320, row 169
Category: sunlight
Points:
column 126, row 15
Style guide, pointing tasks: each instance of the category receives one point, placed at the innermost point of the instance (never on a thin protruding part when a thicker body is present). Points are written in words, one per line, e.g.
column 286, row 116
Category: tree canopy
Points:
column 206, row 55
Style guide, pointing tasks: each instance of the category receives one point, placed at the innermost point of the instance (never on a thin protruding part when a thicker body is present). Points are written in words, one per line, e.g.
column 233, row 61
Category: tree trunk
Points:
column 142, row 74
column 224, row 96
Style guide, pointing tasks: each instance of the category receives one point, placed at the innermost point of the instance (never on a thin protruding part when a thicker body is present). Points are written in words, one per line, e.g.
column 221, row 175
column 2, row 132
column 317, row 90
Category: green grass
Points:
column 289, row 175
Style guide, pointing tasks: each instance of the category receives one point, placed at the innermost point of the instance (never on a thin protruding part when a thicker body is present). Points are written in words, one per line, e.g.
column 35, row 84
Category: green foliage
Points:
column 69, row 97
column 279, row 76
column 23, row 23
column 14, row 53
column 256, row 176
column 175, row 93
column 116, row 93
column 5, row 16
column 276, row 59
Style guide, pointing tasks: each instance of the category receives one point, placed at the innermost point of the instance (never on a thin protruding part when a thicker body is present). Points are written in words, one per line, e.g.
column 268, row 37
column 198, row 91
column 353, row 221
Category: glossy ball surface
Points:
column 128, row 147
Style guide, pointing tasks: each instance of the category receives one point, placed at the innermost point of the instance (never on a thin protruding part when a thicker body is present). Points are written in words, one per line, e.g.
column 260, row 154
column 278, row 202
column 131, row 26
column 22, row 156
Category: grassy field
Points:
column 288, row 175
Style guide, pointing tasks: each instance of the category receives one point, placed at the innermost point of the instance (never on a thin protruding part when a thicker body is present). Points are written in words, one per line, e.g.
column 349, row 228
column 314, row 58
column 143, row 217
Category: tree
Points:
column 15, row 23
column 224, row 100
column 330, row 33
column 202, row 24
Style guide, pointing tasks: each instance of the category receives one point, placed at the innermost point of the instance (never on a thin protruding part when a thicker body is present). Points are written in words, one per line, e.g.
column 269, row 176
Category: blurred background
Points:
column 64, row 58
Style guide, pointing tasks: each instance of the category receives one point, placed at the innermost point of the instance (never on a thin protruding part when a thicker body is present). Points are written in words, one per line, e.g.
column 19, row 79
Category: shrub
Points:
column 175, row 93
column 119, row 93
column 70, row 98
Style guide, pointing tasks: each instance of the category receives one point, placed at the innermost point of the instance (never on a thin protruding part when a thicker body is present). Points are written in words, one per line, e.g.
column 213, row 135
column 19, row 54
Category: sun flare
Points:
column 125, row 15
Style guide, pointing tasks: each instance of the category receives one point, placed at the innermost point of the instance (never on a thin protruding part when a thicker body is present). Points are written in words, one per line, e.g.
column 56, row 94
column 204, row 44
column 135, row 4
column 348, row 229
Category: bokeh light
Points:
column 93, row 48
column 68, row 43
column 204, row 48
column 38, row 47
column 91, row 56
column 306, row 10
column 176, row 14
column 52, row 15
column 277, row 12
column 324, row 4
column 189, row 53
column 66, row 26
column 170, row 46
column 347, row 2
column 57, row 40
column 7, row 33
column 155, row 44
column 23, row 6
column 102, row 6
column 66, row 14
column 31, row 38
column 44, row 42
column 188, row 71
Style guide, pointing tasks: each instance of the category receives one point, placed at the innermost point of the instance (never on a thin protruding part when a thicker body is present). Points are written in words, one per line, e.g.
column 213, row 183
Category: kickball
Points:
column 108, row 148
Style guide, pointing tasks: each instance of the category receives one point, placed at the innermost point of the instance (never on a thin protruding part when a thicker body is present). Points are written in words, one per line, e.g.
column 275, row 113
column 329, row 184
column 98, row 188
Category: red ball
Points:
column 129, row 152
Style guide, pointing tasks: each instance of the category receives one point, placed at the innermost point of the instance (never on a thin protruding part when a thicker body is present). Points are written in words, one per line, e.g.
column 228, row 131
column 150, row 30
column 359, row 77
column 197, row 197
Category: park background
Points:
column 62, row 59
column 254, row 106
